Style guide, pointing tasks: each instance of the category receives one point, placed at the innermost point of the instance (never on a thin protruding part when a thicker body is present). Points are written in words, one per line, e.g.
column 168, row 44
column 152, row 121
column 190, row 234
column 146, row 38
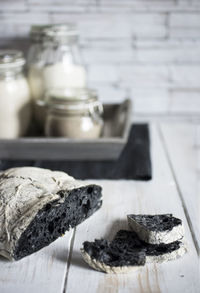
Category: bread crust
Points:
column 100, row 266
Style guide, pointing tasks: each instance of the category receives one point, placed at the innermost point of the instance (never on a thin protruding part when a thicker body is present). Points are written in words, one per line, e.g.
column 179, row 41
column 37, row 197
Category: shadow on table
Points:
column 77, row 260
column 62, row 255
column 114, row 227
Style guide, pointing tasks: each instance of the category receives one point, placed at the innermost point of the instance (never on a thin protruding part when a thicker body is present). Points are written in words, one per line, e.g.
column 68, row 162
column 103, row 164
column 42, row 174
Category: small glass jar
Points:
column 15, row 101
column 54, row 59
column 74, row 113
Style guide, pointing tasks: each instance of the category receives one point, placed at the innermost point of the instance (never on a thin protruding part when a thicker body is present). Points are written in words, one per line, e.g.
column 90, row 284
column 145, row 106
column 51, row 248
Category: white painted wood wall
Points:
column 146, row 49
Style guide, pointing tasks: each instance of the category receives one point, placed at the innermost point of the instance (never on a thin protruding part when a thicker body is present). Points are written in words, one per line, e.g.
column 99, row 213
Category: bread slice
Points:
column 39, row 205
column 104, row 256
column 156, row 229
column 126, row 253
column 156, row 253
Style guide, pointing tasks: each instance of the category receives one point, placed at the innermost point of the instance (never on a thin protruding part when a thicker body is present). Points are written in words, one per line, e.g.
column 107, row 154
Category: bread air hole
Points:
column 86, row 207
column 90, row 190
column 51, row 227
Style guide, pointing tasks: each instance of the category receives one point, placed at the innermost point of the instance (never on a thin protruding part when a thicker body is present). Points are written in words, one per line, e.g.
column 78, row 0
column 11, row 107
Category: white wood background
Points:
column 148, row 50
column 174, row 189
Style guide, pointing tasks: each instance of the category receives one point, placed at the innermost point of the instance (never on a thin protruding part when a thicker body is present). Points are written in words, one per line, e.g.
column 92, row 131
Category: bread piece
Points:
column 126, row 252
column 105, row 256
column 156, row 229
column 39, row 205
column 156, row 253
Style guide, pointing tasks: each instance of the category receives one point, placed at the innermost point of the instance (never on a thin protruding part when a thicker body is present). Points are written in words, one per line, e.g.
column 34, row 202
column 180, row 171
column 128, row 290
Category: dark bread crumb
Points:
column 114, row 255
column 55, row 218
column 157, row 222
column 129, row 240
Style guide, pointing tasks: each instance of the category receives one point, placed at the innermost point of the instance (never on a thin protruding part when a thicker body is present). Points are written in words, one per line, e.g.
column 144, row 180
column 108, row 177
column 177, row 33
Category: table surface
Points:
column 174, row 189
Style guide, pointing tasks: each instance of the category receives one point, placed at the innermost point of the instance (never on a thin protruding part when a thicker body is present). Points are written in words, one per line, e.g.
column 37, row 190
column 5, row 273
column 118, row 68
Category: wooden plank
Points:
column 183, row 149
column 121, row 198
column 41, row 272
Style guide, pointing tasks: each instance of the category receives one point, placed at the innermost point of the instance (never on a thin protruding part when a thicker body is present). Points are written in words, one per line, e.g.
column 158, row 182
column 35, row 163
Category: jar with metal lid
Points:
column 54, row 59
column 15, row 101
column 74, row 113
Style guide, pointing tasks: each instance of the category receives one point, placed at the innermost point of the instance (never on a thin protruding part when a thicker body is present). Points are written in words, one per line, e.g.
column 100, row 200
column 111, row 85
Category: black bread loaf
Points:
column 38, row 205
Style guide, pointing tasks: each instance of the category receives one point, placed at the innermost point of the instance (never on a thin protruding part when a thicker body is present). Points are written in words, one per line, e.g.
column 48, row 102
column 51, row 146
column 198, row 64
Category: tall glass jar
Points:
column 74, row 114
column 15, row 101
column 54, row 59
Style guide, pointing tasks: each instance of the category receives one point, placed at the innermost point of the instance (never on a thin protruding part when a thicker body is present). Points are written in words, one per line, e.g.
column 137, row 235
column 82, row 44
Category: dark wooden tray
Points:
column 108, row 147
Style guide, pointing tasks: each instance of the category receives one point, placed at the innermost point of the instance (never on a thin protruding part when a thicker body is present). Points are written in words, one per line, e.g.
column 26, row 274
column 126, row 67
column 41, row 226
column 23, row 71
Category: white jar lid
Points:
column 11, row 59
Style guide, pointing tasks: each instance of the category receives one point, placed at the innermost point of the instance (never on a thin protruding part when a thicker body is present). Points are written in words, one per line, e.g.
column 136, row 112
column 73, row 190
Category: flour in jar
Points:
column 15, row 107
column 15, row 101
column 56, row 75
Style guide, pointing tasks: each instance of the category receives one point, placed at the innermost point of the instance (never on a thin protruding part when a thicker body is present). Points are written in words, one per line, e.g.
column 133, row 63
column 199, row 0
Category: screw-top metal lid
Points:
column 53, row 32
column 73, row 99
column 11, row 59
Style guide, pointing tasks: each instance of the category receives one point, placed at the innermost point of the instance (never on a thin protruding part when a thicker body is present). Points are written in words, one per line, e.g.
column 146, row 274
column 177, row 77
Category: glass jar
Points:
column 15, row 101
column 74, row 114
column 54, row 59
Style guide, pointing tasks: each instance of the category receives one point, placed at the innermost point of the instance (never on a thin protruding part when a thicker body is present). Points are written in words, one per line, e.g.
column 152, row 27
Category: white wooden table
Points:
column 59, row 267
